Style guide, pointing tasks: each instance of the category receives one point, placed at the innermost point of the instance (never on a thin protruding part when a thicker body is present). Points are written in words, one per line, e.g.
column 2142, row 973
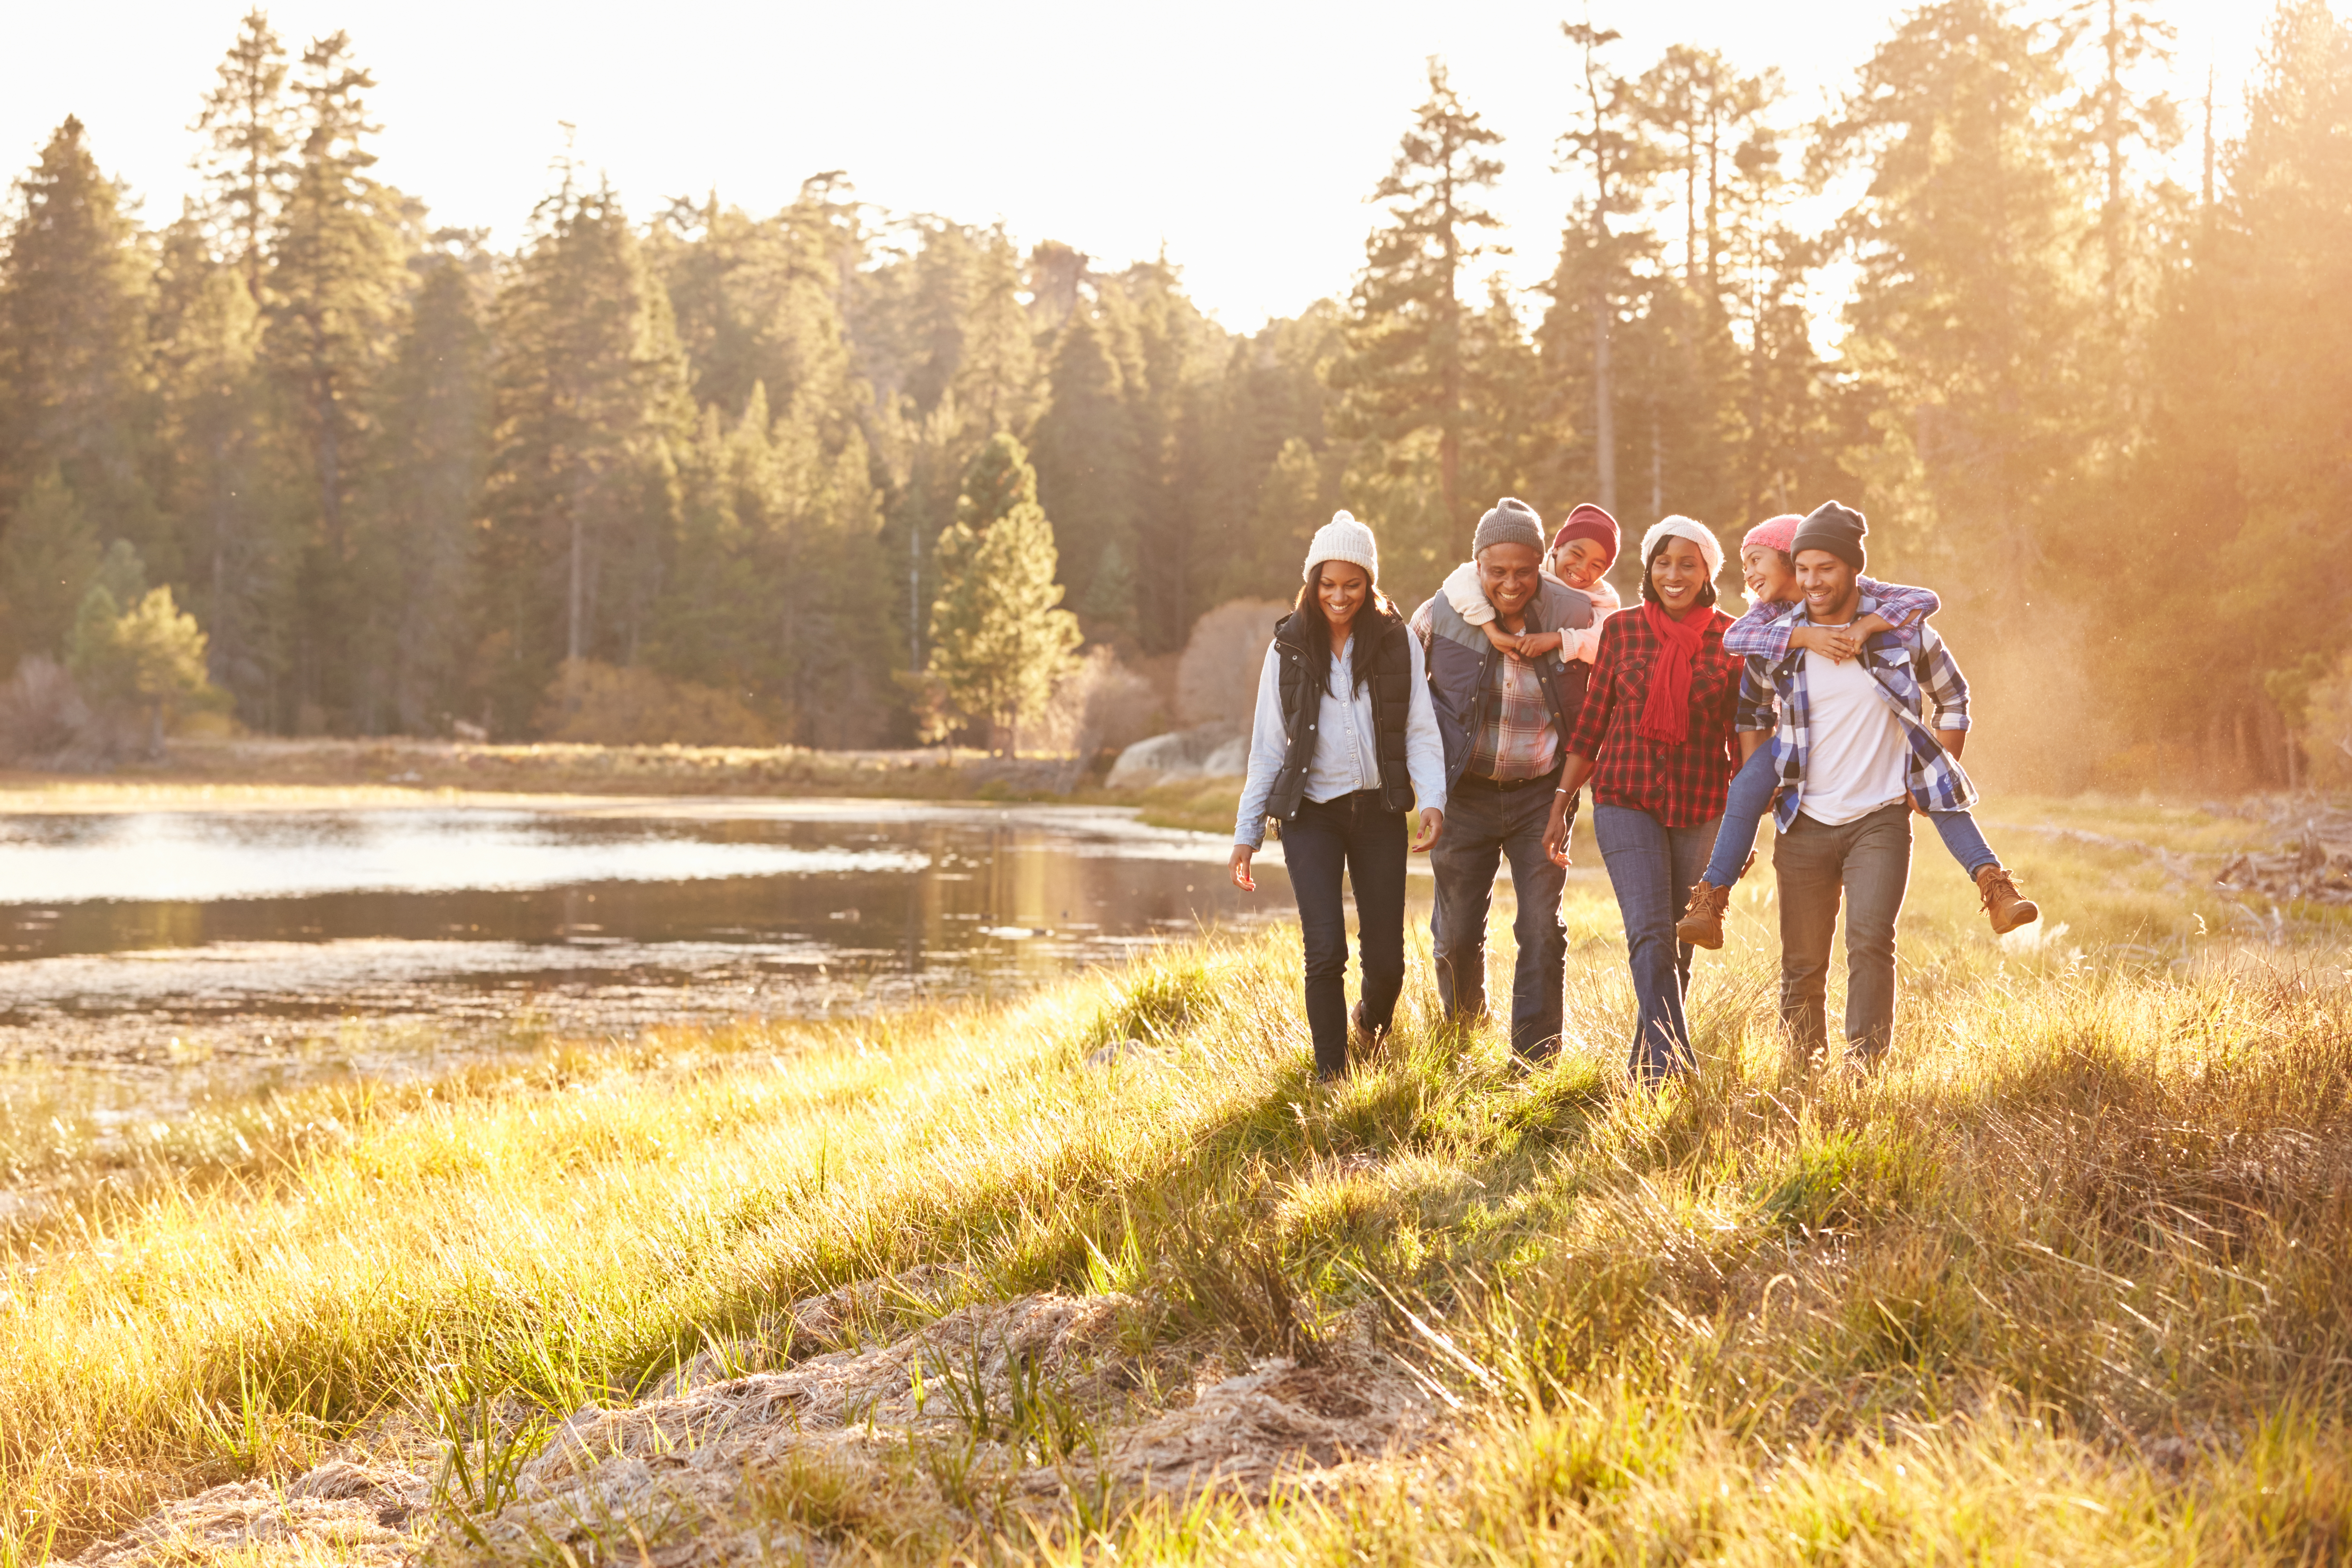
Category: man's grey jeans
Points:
column 1869, row 860
column 1484, row 826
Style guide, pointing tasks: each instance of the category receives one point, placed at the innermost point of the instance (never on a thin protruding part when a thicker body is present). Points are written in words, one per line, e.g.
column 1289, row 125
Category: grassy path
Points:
column 2063, row 1283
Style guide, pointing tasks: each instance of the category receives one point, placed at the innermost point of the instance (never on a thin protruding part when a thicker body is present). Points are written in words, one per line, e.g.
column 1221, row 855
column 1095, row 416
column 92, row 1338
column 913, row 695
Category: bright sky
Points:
column 1242, row 136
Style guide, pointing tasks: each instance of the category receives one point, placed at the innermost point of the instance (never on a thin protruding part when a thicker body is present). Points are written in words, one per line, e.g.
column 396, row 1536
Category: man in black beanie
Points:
column 1855, row 742
column 1835, row 528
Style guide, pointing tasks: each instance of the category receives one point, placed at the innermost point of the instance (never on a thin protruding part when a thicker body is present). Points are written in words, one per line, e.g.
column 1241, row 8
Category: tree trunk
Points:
column 1604, row 405
column 572, row 629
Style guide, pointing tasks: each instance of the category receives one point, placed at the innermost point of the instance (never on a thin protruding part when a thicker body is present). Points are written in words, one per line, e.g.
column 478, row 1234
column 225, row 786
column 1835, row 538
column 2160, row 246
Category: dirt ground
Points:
column 774, row 1444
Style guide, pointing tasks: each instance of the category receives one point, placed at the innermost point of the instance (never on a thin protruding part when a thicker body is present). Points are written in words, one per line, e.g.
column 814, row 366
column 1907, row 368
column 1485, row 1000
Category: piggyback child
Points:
column 1581, row 553
column 1894, row 615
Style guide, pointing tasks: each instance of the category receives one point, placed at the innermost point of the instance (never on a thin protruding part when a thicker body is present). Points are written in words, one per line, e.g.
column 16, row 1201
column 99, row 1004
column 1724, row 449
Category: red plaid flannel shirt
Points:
column 1680, row 785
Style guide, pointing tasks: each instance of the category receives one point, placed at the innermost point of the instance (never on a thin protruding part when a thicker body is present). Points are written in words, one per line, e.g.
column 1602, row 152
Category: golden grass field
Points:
column 2065, row 1282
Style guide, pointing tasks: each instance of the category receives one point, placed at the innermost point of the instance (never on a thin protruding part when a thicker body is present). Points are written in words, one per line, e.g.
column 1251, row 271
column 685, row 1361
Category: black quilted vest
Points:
column 1303, row 674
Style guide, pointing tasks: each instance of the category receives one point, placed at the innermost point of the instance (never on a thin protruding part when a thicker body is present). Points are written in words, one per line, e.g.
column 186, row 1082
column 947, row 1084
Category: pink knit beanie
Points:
column 1772, row 533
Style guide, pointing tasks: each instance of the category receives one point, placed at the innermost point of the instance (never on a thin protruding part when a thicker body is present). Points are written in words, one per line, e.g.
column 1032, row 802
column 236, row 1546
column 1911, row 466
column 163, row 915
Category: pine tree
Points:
column 2283, row 241
column 232, row 487
column 47, row 557
column 1403, row 378
column 336, row 278
column 998, row 641
column 249, row 129
column 758, row 301
column 1969, row 312
column 1167, row 352
column 589, row 407
column 1090, row 474
column 1611, row 147
column 72, row 349
column 420, row 496
column 332, row 300
column 1269, row 474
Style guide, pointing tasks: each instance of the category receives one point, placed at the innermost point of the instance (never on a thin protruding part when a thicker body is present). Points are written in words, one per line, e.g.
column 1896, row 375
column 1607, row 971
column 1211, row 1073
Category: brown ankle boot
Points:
column 2008, row 907
column 1702, row 926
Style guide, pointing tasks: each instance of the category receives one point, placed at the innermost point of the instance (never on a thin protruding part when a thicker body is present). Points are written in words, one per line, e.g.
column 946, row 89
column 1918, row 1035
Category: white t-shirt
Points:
column 1857, row 753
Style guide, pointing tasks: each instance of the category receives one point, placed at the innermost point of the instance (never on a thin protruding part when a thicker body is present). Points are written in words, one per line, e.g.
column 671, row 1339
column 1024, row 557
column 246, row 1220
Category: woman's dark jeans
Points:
column 1352, row 833
column 1653, row 868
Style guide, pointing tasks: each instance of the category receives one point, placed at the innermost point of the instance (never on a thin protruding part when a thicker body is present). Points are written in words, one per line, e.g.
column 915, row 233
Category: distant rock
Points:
column 1204, row 752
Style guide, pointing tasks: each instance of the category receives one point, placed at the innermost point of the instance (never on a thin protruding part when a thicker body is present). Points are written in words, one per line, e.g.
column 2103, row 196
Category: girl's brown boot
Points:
column 1702, row 926
column 2008, row 908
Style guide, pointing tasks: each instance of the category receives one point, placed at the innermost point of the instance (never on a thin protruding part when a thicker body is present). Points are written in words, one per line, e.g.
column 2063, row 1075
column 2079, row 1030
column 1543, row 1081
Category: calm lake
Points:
column 166, row 956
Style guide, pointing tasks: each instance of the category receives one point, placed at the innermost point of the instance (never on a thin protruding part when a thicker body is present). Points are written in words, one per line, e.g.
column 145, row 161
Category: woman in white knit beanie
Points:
column 1343, row 744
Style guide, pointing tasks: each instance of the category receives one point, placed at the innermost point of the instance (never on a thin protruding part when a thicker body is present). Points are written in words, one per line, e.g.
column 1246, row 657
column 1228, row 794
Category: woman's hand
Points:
column 1240, row 867
column 1432, row 822
column 1555, row 828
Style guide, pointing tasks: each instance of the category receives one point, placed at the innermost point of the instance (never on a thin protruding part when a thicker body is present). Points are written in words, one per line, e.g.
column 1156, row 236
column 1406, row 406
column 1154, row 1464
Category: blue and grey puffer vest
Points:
column 1462, row 663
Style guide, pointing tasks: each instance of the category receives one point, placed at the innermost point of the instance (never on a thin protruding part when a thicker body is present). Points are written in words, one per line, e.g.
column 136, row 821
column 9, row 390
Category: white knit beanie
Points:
column 1710, row 548
column 1343, row 539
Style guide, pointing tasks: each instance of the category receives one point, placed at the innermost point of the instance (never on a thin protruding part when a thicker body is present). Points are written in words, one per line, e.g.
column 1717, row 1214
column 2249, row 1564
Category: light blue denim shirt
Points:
column 1347, row 746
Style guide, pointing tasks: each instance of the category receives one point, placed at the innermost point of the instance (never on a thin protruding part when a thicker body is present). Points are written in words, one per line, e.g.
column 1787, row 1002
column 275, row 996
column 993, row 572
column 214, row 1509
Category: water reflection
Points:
column 192, row 953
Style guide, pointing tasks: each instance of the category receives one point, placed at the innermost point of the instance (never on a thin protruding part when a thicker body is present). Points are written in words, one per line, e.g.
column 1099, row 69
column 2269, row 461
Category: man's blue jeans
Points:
column 1653, row 868
column 1751, row 798
column 1484, row 826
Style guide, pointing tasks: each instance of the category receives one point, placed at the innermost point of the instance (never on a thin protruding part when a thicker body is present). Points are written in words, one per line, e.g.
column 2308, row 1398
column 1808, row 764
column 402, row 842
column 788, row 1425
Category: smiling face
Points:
column 1508, row 576
column 1677, row 571
column 1766, row 573
column 1580, row 562
column 1828, row 584
column 1341, row 587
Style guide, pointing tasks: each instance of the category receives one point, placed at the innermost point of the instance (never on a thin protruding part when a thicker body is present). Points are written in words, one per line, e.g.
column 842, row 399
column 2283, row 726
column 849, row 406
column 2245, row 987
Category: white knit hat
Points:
column 1710, row 548
column 1343, row 539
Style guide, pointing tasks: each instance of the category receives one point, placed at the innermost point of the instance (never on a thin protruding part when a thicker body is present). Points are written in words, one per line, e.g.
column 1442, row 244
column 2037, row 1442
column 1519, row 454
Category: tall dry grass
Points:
column 2063, row 1283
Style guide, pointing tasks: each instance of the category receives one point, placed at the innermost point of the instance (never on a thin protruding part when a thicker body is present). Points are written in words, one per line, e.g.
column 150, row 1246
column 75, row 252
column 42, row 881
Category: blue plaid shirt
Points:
column 1924, row 685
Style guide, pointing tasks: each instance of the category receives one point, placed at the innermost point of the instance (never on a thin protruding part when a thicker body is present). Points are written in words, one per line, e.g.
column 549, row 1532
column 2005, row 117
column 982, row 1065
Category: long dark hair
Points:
column 1650, row 582
column 1315, row 626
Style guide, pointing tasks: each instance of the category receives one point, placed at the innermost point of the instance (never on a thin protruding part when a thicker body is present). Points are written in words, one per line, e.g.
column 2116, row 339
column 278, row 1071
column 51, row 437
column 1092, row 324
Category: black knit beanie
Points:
column 1833, row 527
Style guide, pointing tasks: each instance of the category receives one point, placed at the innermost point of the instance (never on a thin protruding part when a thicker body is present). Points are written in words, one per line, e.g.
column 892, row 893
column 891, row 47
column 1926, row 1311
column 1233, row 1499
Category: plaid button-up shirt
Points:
column 1926, row 688
column 1763, row 631
column 1683, row 785
column 1517, row 741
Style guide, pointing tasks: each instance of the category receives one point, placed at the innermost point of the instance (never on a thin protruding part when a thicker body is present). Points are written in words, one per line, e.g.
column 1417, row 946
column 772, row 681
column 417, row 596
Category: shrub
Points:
column 590, row 703
column 1216, row 681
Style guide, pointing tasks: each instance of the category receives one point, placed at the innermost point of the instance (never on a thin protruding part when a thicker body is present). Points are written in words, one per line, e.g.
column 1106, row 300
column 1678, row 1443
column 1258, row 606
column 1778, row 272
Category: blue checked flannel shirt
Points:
column 1923, row 683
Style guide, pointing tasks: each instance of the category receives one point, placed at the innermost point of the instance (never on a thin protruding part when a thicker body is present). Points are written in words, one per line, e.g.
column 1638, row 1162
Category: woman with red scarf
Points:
column 1656, row 739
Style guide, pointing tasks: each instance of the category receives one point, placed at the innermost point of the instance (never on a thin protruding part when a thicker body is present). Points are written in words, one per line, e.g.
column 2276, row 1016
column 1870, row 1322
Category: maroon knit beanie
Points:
column 1589, row 522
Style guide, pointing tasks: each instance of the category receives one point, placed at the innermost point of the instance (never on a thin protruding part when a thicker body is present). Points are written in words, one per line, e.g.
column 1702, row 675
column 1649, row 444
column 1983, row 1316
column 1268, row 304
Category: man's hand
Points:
column 1432, row 822
column 1242, row 878
column 1835, row 643
column 1558, row 827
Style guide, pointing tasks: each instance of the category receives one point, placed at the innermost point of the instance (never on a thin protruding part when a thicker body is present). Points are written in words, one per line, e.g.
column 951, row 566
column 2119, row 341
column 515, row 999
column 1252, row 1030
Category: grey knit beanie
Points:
column 1835, row 528
column 1511, row 521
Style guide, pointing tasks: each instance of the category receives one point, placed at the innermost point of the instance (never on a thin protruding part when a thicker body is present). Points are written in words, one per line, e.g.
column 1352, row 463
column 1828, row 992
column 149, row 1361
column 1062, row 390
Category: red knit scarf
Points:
column 1665, row 715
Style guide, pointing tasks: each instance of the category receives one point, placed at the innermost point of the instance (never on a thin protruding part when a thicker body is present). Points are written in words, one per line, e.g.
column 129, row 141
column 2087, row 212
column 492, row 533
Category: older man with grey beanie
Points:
column 1503, row 718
